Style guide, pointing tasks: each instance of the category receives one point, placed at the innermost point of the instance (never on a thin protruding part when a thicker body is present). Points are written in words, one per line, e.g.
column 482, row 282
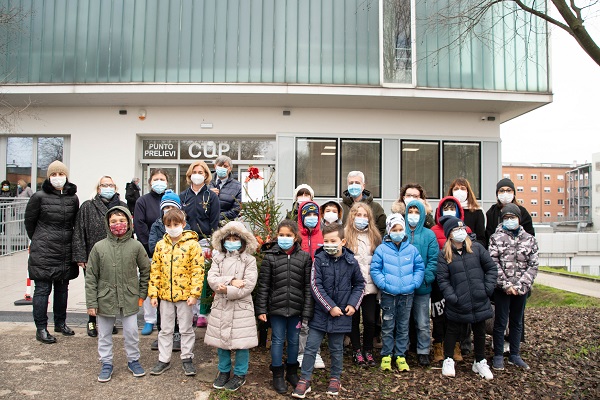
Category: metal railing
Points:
column 13, row 237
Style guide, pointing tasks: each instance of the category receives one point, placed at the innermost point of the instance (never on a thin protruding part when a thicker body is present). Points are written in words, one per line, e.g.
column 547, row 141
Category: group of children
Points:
column 314, row 280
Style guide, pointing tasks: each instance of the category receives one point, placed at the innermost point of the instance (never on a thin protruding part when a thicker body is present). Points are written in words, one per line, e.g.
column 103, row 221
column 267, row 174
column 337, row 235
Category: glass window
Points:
column 520, row 177
column 560, row 214
column 533, row 201
column 207, row 149
column 257, row 150
column 547, row 177
column 506, row 176
column 534, row 214
column 546, row 189
column 547, row 202
column 462, row 159
column 421, row 164
column 560, row 177
column 547, row 214
column 520, row 201
column 561, row 190
column 560, row 202
column 316, row 165
column 534, row 189
column 363, row 156
column 519, row 188
column 49, row 150
column 19, row 155
column 397, row 50
column 534, row 177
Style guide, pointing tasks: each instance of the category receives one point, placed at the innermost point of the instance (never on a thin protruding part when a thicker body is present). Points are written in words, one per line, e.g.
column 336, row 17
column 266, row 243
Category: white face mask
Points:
column 506, row 198
column 302, row 199
column 197, row 179
column 460, row 195
column 449, row 212
column 330, row 217
column 58, row 181
column 174, row 232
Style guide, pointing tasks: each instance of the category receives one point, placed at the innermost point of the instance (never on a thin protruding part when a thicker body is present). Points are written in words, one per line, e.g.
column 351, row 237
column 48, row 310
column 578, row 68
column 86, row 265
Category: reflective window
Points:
column 421, row 164
column 208, row 149
column 257, row 150
column 316, row 161
column 49, row 150
column 463, row 160
column 397, row 42
column 19, row 156
column 364, row 156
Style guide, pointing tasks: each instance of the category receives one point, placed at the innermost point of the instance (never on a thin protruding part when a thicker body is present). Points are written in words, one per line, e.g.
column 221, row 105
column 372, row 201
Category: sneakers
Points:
column 147, row 329
column 498, row 363
column 188, row 367
column 136, row 369
column 401, row 364
column 177, row 341
column 369, row 359
column 517, row 361
column 160, row 367
column 105, row 373
column 334, row 386
column 91, row 329
column 235, row 383
column 482, row 368
column 448, row 368
column 319, row 363
column 202, row 322
column 221, row 380
column 423, row 359
column 386, row 363
column 438, row 352
column 358, row 358
column 457, row 353
column 301, row 389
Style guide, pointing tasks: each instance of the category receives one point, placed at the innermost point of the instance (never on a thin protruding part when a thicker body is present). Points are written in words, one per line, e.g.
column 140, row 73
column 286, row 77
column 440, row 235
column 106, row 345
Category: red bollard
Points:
column 27, row 300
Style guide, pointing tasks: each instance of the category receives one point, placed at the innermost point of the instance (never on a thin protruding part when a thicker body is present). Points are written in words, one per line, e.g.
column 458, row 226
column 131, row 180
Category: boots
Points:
column 278, row 382
column 438, row 352
column 457, row 353
column 291, row 374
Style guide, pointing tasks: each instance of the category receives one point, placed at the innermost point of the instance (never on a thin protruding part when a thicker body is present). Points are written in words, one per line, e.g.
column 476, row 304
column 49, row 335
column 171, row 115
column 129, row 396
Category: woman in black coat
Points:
column 49, row 221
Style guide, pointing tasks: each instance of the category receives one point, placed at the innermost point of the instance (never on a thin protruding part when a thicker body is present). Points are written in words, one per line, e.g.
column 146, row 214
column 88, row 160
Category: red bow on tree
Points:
column 253, row 174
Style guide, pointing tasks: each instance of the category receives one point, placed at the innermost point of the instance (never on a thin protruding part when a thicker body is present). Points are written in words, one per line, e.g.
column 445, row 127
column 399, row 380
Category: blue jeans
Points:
column 282, row 328
column 420, row 312
column 336, row 352
column 509, row 309
column 242, row 358
column 395, row 315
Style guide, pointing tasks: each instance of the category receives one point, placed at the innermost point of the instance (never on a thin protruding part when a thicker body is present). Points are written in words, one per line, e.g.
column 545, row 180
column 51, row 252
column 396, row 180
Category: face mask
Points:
column 354, row 190
column 330, row 216
column 397, row 237
column 331, row 249
column 302, row 199
column 311, row 221
column 449, row 212
column 361, row 223
column 221, row 172
column 5, row 188
column 460, row 235
column 174, row 232
column 233, row 246
column 506, row 198
column 197, row 179
column 58, row 181
column 285, row 242
column 460, row 195
column 107, row 193
column 413, row 219
column 119, row 229
column 511, row 223
column 159, row 186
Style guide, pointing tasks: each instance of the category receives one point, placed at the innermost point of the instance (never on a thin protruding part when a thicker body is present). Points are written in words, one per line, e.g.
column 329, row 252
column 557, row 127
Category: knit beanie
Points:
column 510, row 209
column 392, row 220
column 57, row 167
column 170, row 198
column 308, row 207
column 505, row 182
column 449, row 223
column 304, row 186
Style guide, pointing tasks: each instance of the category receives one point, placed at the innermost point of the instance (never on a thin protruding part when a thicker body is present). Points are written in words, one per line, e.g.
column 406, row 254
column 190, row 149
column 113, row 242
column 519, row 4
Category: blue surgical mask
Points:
column 459, row 235
column 311, row 221
column 159, row 186
column 285, row 242
column 413, row 219
column 232, row 245
column 397, row 237
column 361, row 223
column 107, row 192
column 511, row 224
column 354, row 190
column 221, row 172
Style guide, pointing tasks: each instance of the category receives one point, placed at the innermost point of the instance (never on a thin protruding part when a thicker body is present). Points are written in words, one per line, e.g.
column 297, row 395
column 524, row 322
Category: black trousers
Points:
column 369, row 309
column 41, row 294
column 453, row 332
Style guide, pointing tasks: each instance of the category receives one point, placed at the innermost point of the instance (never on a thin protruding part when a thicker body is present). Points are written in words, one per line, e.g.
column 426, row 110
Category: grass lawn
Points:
column 545, row 296
column 563, row 271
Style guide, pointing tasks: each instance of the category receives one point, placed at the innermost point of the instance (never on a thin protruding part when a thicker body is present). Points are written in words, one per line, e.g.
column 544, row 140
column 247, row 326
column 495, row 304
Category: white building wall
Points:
column 577, row 252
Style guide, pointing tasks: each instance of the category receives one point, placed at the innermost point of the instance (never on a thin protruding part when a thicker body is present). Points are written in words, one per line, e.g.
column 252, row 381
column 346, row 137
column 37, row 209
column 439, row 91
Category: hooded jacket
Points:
column 367, row 197
column 202, row 210
column 49, row 220
column 398, row 207
column 177, row 270
column 425, row 242
column 493, row 220
column 335, row 281
column 516, row 257
column 111, row 280
column 230, row 197
column 231, row 323
column 284, row 282
column 312, row 239
column 340, row 212
column 438, row 229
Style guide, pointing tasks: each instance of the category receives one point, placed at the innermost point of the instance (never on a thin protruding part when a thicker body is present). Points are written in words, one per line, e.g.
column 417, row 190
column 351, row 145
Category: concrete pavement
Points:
column 575, row 285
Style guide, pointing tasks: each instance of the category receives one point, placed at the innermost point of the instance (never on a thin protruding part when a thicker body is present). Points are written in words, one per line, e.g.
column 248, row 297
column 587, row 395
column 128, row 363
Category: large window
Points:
column 364, row 156
column 397, row 42
column 463, row 160
column 316, row 165
column 421, row 164
column 20, row 162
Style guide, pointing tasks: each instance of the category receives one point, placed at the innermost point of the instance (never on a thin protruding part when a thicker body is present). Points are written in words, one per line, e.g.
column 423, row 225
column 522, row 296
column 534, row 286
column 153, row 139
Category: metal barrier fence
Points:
column 13, row 237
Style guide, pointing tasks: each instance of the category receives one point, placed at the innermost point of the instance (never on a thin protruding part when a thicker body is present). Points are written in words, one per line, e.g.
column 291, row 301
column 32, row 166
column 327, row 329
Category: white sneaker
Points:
column 319, row 364
column 483, row 369
column 448, row 367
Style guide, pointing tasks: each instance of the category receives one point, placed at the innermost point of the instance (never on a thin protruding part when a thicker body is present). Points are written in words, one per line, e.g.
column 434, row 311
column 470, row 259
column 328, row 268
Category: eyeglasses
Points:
column 107, row 185
column 509, row 190
column 411, row 196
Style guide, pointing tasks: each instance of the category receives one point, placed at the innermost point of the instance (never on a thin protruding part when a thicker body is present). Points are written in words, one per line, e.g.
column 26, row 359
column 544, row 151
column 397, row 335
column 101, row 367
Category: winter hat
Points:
column 505, row 182
column 304, row 186
column 332, row 203
column 510, row 209
column 449, row 223
column 57, row 167
column 392, row 220
column 309, row 207
column 170, row 198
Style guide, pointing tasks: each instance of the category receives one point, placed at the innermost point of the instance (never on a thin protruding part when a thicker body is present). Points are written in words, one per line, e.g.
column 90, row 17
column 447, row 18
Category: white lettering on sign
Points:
column 209, row 149
column 160, row 153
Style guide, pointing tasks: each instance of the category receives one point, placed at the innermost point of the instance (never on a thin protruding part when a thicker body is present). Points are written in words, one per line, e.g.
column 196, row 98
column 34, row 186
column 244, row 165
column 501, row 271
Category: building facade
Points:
column 305, row 90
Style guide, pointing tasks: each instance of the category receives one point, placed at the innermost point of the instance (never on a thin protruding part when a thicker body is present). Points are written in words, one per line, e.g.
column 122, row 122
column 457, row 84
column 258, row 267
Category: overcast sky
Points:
column 569, row 128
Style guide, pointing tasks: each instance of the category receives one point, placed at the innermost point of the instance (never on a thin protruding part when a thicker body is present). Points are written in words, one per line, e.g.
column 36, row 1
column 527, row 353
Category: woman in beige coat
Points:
column 231, row 324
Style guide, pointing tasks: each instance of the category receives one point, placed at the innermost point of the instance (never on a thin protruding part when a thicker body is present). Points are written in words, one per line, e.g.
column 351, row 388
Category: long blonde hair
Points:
column 448, row 248
column 352, row 233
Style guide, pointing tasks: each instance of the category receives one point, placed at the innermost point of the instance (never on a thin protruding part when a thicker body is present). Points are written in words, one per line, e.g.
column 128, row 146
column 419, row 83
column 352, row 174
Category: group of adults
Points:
column 62, row 233
column 23, row 190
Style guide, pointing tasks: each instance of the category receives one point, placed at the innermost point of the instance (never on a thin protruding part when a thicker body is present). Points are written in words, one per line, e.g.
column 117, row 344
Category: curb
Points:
column 583, row 278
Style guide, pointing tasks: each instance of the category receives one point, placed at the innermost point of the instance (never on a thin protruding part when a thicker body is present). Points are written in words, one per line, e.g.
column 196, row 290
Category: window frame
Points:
column 337, row 161
column 343, row 179
column 443, row 170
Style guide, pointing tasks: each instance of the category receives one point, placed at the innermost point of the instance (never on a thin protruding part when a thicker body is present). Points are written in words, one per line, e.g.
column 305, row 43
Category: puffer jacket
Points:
column 157, row 232
column 49, row 220
column 438, row 229
column 202, row 210
column 312, row 239
column 177, row 270
column 367, row 197
column 147, row 210
column 231, row 323
column 492, row 217
column 90, row 225
column 335, row 281
column 284, row 282
column 424, row 240
column 516, row 257
column 398, row 207
column 112, row 283
column 467, row 284
column 397, row 271
column 363, row 256
column 230, row 198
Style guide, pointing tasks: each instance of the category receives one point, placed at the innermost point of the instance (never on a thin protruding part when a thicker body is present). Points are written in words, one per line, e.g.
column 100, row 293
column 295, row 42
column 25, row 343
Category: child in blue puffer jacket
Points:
column 397, row 269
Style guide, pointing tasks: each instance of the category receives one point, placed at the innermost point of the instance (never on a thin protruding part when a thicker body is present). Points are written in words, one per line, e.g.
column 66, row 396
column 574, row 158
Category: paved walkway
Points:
column 581, row 286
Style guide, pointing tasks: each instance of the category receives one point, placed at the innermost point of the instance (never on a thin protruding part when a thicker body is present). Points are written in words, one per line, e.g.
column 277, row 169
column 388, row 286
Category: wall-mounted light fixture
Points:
column 142, row 114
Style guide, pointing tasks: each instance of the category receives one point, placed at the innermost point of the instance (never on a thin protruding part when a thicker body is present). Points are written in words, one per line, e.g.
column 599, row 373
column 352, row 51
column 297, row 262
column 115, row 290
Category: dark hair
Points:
column 403, row 189
column 292, row 226
column 334, row 227
column 471, row 199
column 303, row 191
column 116, row 211
column 174, row 215
column 157, row 171
column 5, row 183
column 229, row 234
